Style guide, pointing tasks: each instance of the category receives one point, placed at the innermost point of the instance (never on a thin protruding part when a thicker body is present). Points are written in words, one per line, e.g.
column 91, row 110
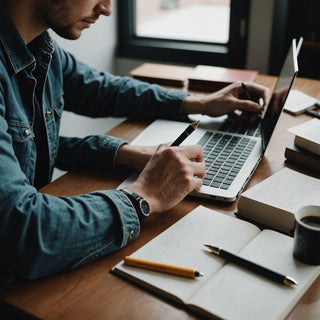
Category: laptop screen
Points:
column 286, row 78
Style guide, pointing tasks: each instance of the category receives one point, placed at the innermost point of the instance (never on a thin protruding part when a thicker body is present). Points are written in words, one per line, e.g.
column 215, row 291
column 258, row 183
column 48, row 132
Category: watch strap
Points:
column 137, row 201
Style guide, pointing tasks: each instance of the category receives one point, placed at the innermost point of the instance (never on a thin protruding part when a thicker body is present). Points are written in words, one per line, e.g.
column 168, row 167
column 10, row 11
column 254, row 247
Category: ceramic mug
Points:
column 307, row 235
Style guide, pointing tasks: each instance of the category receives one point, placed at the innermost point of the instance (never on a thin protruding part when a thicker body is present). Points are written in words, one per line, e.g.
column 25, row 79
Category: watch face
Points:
column 144, row 207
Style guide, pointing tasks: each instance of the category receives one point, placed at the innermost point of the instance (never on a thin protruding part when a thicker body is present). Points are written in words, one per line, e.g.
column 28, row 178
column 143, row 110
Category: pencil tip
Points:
column 198, row 274
column 195, row 124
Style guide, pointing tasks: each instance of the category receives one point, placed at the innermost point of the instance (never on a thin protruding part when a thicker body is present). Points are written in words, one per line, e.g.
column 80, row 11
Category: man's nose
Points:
column 104, row 7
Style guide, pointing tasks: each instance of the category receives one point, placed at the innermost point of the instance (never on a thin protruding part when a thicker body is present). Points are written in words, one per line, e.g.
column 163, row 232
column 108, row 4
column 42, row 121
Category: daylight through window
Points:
column 192, row 20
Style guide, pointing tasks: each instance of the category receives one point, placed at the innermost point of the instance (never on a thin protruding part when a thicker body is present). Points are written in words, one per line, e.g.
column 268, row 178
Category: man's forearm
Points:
column 193, row 104
column 133, row 156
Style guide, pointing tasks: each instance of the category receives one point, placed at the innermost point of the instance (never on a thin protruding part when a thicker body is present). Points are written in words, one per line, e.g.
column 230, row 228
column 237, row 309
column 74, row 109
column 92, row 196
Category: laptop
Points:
column 232, row 152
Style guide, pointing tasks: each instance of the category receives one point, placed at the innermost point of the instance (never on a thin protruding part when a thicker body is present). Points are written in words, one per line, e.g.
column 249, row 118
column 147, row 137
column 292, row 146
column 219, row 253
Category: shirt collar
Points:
column 18, row 53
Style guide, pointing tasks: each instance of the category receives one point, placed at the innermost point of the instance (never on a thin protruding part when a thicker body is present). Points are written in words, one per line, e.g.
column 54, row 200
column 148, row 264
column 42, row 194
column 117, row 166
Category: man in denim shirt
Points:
column 41, row 234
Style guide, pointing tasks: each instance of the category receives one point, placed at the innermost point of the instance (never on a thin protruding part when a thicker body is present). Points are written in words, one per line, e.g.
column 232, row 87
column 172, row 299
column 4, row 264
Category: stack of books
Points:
column 306, row 148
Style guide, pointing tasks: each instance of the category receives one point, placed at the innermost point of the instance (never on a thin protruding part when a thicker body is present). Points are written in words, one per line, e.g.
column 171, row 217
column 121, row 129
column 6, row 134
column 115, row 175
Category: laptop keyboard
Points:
column 249, row 129
column 224, row 156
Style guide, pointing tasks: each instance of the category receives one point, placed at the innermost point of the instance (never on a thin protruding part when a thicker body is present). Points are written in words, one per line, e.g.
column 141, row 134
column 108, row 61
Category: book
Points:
column 212, row 78
column 274, row 201
column 225, row 291
column 307, row 135
column 303, row 157
column 298, row 102
column 162, row 74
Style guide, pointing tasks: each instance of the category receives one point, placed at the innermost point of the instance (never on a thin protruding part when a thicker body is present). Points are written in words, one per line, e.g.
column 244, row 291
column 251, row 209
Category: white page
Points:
column 183, row 245
column 298, row 101
column 235, row 293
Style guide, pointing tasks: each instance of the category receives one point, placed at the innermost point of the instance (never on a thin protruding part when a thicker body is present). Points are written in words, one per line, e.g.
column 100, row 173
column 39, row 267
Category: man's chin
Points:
column 68, row 33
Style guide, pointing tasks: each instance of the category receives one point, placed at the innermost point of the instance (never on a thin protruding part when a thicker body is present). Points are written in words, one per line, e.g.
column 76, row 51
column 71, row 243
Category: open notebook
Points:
column 226, row 291
column 231, row 157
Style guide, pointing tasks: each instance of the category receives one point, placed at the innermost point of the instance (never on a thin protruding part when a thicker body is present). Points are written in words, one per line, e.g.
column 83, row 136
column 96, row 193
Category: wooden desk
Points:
column 91, row 292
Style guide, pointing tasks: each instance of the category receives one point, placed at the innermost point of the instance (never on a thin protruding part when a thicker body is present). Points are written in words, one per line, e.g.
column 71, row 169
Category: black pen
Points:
column 184, row 135
column 313, row 113
column 245, row 89
column 258, row 269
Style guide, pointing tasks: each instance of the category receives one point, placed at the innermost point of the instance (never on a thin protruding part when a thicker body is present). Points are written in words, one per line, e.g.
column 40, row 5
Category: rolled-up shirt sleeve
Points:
column 96, row 151
column 41, row 234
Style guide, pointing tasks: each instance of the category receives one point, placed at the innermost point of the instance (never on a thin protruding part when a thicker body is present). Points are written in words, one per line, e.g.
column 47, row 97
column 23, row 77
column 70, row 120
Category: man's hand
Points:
column 170, row 175
column 228, row 100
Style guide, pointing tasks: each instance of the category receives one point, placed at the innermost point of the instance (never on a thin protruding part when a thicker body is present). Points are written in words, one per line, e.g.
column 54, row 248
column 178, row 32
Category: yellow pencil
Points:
column 162, row 267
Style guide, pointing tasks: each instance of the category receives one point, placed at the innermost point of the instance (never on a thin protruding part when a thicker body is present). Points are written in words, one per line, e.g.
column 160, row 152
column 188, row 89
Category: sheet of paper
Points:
column 298, row 101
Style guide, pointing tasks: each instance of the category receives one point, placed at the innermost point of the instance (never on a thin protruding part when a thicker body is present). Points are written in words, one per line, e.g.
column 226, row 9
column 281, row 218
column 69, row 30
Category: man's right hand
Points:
column 170, row 174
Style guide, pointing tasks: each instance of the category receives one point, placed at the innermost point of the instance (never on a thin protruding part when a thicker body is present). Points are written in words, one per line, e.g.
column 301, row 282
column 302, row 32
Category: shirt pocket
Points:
column 23, row 143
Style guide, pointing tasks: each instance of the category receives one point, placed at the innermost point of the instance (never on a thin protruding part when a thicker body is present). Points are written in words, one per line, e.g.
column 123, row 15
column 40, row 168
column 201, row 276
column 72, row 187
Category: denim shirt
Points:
column 41, row 234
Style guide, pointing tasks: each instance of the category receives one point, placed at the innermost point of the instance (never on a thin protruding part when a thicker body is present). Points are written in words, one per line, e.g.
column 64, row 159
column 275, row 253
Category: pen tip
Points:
column 214, row 249
column 290, row 281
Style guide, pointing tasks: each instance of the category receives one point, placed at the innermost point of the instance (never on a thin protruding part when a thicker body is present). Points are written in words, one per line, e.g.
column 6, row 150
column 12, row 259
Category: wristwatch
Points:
column 141, row 205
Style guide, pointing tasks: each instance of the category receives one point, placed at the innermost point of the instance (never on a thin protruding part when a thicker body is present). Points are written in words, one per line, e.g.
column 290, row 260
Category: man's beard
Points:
column 55, row 16
column 65, row 32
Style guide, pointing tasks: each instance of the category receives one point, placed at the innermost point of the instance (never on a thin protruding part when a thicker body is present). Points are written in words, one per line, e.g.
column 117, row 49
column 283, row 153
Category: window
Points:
column 212, row 32
column 293, row 19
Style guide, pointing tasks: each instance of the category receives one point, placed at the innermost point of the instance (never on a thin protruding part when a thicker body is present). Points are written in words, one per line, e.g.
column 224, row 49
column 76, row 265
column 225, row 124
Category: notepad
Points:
column 298, row 101
column 226, row 290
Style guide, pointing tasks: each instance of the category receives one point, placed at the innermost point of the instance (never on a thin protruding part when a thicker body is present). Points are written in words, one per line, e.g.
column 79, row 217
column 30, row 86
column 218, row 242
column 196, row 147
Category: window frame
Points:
column 232, row 54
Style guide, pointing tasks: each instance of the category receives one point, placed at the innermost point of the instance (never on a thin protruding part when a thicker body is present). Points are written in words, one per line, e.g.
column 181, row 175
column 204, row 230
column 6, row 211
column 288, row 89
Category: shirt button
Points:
column 131, row 235
column 47, row 114
column 26, row 132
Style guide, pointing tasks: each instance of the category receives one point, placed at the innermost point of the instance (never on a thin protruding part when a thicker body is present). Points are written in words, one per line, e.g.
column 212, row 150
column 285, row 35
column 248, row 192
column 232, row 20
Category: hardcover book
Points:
column 274, row 201
column 303, row 157
column 162, row 74
column 307, row 135
column 212, row 78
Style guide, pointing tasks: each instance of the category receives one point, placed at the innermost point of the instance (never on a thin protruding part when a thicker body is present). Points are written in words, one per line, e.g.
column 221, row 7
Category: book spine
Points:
column 302, row 158
column 169, row 82
column 206, row 86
